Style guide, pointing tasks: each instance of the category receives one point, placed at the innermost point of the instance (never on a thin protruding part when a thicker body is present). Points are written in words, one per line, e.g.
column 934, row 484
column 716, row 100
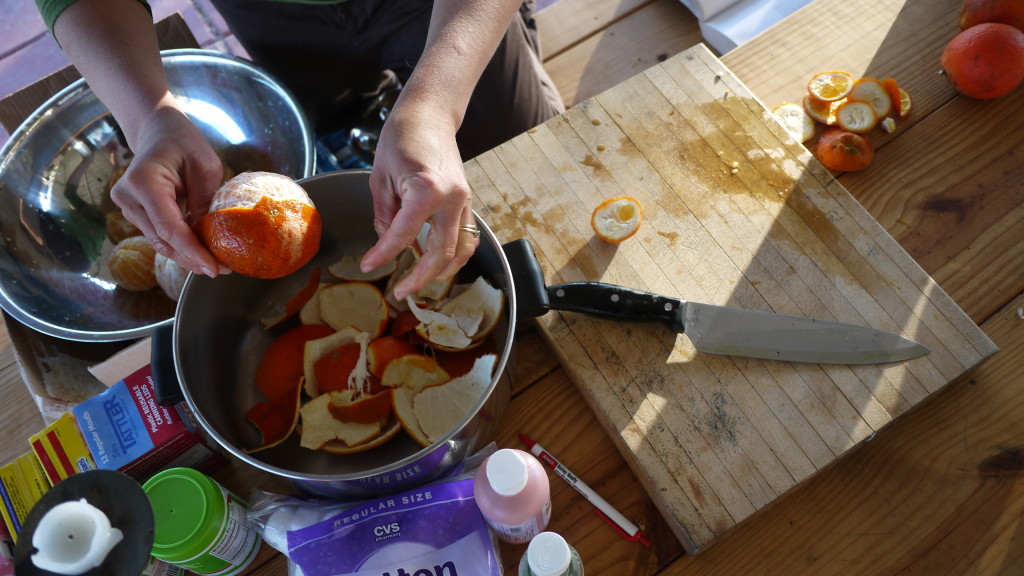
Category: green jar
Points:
column 198, row 525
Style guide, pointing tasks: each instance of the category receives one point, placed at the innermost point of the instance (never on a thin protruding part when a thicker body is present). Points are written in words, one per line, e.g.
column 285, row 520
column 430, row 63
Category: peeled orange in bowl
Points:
column 261, row 224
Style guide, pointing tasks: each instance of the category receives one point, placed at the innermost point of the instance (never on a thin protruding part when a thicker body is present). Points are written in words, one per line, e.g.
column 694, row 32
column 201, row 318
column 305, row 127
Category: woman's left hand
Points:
column 418, row 177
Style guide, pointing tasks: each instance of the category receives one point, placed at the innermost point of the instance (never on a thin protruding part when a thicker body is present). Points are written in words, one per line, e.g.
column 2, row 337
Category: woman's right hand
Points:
column 173, row 163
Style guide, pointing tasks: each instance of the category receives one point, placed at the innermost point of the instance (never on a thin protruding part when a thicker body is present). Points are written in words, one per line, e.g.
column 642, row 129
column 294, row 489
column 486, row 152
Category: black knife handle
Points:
column 616, row 303
column 528, row 279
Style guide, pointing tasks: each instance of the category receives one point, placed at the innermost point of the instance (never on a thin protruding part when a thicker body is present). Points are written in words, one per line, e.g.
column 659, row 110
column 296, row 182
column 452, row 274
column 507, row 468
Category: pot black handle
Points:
column 161, row 359
column 616, row 303
column 528, row 279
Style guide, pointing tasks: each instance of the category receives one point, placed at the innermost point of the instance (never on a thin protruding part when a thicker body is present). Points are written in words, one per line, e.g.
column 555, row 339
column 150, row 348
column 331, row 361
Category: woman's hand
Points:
column 418, row 177
column 173, row 164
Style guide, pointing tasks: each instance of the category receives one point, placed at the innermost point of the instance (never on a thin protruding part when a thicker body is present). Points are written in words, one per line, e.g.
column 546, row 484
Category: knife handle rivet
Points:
column 668, row 306
column 615, row 297
column 560, row 293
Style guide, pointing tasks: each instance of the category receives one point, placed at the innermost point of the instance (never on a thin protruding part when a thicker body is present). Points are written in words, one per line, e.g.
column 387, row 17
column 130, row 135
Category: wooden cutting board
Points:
column 736, row 213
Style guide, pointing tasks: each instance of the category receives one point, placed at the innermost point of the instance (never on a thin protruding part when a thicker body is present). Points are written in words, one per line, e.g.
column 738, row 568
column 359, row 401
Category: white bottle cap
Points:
column 506, row 472
column 548, row 554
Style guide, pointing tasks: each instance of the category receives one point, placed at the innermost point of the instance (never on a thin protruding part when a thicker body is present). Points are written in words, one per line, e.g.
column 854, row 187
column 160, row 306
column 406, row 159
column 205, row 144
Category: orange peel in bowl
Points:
column 617, row 219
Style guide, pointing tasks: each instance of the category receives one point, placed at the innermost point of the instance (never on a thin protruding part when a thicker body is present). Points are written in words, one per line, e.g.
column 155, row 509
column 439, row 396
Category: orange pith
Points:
column 271, row 239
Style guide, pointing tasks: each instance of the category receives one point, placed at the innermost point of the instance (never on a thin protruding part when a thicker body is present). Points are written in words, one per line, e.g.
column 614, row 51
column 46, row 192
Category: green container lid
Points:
column 190, row 511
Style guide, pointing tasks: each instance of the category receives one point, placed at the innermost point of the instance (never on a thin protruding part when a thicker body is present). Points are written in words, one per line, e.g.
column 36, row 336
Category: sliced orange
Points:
column 830, row 86
column 796, row 120
column 616, row 219
column 821, row 110
column 856, row 116
column 872, row 91
column 898, row 96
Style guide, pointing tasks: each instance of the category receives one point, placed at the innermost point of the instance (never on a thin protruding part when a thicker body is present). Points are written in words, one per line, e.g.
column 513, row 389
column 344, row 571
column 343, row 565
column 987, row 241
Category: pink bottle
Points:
column 512, row 491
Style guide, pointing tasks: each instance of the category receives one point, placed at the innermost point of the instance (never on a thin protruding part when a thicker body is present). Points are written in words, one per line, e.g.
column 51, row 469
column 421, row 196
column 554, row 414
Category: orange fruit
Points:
column 821, row 110
column 118, row 227
column 844, row 151
column 133, row 264
column 872, row 91
column 974, row 12
column 830, row 86
column 856, row 116
column 985, row 61
column 616, row 219
column 261, row 224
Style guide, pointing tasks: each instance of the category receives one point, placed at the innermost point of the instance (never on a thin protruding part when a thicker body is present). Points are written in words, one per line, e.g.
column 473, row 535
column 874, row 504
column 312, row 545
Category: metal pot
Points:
column 217, row 343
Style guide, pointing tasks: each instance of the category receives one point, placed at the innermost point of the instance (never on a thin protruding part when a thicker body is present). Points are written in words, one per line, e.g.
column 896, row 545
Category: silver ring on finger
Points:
column 473, row 230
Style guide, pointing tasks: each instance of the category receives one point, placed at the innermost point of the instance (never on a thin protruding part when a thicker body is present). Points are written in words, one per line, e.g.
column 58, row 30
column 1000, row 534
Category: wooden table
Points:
column 939, row 491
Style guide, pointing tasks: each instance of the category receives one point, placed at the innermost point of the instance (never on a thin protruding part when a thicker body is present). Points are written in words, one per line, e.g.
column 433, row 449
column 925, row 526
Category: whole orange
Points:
column 261, row 224
column 133, row 264
column 985, row 61
column 974, row 12
column 844, row 151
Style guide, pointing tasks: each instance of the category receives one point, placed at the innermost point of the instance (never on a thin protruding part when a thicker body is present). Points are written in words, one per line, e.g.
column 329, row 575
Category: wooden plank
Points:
column 565, row 23
column 738, row 214
column 622, row 49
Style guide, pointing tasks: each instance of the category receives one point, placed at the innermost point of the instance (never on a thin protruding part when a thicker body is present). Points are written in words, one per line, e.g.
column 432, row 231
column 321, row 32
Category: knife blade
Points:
column 738, row 331
column 712, row 329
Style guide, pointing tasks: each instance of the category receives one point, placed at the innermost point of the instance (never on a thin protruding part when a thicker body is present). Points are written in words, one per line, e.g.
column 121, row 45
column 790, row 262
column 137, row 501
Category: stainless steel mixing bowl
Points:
column 55, row 175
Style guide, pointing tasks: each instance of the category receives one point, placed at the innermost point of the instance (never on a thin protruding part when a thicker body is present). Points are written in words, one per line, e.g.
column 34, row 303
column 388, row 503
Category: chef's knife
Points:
column 712, row 329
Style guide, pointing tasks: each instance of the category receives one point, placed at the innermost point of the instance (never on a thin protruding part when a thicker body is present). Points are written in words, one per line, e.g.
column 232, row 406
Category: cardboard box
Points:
column 126, row 430
column 22, row 484
column 61, row 450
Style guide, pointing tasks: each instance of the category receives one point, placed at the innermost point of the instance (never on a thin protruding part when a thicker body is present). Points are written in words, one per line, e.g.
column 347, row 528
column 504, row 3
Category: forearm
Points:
column 113, row 45
column 462, row 39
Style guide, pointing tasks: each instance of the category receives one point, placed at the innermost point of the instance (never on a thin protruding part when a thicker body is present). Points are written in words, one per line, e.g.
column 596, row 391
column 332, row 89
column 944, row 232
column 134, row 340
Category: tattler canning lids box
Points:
column 127, row 430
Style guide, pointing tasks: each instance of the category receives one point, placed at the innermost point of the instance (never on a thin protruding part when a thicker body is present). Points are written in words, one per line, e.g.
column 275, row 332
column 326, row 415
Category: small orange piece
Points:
column 856, row 116
column 844, row 151
column 133, row 264
column 365, row 409
column 830, row 86
column 262, row 225
column 281, row 365
column 985, row 61
column 974, row 12
column 616, row 219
